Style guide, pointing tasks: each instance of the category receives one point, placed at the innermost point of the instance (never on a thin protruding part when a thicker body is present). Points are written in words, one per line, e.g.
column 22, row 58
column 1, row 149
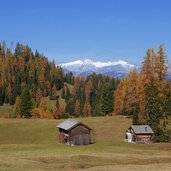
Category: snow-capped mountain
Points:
column 85, row 67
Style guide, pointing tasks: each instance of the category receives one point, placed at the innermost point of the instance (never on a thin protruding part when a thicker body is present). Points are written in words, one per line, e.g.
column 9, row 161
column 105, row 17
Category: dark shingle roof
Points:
column 142, row 129
column 69, row 124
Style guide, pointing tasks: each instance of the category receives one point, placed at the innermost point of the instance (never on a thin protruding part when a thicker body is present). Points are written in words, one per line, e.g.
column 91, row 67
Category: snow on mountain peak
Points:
column 98, row 64
column 78, row 62
column 88, row 61
column 104, row 64
column 83, row 67
column 124, row 63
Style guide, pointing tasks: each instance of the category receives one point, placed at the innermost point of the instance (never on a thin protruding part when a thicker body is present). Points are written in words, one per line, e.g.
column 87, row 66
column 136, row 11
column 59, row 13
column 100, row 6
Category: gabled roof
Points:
column 142, row 129
column 69, row 124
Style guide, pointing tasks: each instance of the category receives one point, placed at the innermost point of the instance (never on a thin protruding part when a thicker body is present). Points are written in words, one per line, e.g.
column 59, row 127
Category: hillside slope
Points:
column 32, row 145
column 7, row 109
column 20, row 131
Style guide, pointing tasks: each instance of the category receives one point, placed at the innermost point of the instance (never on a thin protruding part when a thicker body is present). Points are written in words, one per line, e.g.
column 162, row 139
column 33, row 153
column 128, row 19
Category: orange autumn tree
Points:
column 77, row 107
column 132, row 94
column 119, row 97
column 87, row 109
column 42, row 111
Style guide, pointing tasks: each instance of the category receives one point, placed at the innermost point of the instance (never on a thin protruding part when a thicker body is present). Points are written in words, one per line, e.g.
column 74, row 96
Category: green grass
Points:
column 30, row 131
column 51, row 103
column 32, row 145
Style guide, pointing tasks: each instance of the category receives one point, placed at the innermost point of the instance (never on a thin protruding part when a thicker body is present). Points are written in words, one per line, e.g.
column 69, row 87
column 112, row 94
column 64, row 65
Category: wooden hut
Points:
column 73, row 132
column 139, row 134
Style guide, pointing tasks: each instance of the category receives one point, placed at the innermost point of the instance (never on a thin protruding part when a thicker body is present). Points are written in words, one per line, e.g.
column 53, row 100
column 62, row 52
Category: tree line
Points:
column 91, row 96
column 146, row 95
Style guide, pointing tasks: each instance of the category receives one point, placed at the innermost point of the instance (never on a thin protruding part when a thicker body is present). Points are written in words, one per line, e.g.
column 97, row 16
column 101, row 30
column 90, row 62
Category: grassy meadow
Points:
column 32, row 145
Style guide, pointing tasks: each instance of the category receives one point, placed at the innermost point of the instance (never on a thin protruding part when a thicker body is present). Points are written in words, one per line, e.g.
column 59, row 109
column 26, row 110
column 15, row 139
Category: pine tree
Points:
column 17, row 106
column 57, row 103
column 166, row 104
column 6, row 97
column 135, row 120
column 107, row 99
column 152, row 106
column 26, row 104
column 70, row 106
column 63, row 93
column 98, row 110
column 2, row 96
column 67, row 96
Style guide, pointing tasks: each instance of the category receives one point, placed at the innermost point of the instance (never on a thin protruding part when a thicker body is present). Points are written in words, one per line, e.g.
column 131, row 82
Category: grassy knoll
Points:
column 32, row 145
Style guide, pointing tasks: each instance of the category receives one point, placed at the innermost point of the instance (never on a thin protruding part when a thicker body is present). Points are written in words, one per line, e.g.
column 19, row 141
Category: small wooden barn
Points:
column 74, row 132
column 139, row 134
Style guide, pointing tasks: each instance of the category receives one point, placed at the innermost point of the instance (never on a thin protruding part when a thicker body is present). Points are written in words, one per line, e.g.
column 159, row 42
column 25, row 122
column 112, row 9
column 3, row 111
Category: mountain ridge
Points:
column 85, row 67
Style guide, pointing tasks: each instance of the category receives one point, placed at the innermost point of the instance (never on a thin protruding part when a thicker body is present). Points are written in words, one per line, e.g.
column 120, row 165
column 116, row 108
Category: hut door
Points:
column 80, row 139
column 84, row 139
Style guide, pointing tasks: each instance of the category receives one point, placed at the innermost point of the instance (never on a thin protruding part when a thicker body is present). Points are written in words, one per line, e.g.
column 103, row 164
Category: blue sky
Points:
column 103, row 30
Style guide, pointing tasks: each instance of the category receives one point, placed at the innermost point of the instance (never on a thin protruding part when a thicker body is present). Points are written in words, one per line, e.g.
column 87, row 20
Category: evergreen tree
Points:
column 67, row 94
column 2, row 96
column 166, row 104
column 107, row 99
column 152, row 106
column 135, row 120
column 57, row 103
column 63, row 93
column 70, row 107
column 26, row 104
column 98, row 110
column 6, row 97
column 17, row 106
column 82, row 99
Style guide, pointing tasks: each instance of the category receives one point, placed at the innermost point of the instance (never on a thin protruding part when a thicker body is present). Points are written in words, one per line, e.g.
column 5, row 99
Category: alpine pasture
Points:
column 32, row 145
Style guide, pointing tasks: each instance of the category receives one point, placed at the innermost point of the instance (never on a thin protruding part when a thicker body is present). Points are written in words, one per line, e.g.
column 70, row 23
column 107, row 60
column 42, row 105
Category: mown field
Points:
column 32, row 145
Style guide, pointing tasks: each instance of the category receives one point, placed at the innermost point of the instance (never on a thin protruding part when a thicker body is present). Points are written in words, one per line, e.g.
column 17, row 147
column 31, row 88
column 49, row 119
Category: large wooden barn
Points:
column 74, row 132
column 139, row 134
